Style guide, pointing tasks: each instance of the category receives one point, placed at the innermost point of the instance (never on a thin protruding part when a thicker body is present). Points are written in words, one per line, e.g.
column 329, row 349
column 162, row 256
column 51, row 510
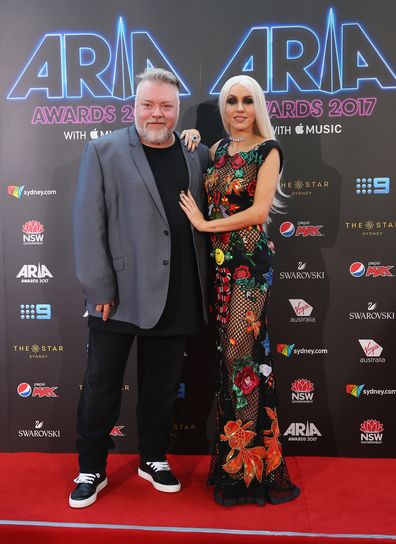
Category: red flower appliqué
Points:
column 241, row 272
column 225, row 237
column 246, row 380
column 221, row 162
column 237, row 161
column 252, row 187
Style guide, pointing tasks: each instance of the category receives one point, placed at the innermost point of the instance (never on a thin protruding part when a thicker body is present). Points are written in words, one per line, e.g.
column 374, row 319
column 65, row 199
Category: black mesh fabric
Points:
column 247, row 465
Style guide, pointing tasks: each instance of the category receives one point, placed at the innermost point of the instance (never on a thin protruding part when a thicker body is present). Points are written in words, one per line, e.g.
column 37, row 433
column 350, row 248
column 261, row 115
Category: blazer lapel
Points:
column 143, row 166
column 191, row 159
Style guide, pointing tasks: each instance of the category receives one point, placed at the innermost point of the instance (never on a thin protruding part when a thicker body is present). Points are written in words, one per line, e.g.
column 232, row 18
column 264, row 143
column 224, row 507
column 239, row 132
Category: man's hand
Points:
column 104, row 309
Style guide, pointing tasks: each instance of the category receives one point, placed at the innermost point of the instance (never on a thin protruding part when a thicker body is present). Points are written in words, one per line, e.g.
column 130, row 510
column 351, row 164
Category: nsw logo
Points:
column 302, row 391
column 371, row 432
column 33, row 233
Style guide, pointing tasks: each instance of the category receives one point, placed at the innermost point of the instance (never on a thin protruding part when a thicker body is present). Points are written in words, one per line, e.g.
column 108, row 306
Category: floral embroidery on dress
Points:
column 242, row 262
column 251, row 459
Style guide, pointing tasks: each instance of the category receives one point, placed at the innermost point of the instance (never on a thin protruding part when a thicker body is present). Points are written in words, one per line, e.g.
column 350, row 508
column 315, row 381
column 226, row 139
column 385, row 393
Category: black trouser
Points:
column 100, row 399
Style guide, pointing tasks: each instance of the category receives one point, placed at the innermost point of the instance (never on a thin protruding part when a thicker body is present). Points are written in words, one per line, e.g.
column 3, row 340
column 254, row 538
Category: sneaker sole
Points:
column 159, row 487
column 75, row 503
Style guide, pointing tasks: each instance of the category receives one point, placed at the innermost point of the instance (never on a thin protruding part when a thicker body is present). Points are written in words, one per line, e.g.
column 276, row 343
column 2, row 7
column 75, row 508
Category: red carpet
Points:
column 342, row 500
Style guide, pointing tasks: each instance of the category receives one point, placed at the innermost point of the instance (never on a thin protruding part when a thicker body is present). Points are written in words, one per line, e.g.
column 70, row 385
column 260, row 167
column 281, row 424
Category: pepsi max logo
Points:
column 24, row 390
column 287, row 229
column 357, row 269
column 375, row 270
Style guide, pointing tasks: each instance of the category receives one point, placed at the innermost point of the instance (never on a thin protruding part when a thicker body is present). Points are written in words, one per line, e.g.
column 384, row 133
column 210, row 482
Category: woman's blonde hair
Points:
column 262, row 124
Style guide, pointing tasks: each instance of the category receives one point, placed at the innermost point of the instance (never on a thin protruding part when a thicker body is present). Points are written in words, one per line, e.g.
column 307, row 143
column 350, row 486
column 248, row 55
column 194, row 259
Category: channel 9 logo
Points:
column 372, row 186
column 35, row 311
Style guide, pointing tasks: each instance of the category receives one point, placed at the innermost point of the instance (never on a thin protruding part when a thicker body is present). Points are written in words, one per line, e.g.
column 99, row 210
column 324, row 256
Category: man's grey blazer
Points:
column 122, row 239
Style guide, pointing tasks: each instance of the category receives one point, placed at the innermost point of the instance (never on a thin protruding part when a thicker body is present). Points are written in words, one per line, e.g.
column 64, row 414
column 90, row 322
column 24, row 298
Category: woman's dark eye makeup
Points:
column 246, row 100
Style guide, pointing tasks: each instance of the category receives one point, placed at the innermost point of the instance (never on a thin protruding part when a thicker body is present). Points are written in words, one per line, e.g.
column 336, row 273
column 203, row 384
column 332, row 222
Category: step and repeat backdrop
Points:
column 67, row 76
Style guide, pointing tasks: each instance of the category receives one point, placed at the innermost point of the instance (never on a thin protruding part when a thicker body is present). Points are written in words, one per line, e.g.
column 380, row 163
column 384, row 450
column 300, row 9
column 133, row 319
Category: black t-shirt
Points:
column 183, row 308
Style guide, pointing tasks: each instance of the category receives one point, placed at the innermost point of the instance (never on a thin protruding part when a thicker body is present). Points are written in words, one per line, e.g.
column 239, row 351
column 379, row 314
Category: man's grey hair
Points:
column 159, row 75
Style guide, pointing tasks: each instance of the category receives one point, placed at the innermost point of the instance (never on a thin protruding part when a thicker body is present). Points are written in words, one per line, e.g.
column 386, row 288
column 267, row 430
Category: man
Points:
column 143, row 270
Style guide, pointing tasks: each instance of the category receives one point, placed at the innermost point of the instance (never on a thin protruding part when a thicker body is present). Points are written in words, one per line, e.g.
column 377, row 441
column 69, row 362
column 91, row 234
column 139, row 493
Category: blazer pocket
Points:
column 118, row 263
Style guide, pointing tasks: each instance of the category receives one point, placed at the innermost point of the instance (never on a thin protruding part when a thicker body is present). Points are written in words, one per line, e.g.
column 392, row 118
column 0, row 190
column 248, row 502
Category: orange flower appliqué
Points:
column 250, row 458
column 272, row 444
column 254, row 323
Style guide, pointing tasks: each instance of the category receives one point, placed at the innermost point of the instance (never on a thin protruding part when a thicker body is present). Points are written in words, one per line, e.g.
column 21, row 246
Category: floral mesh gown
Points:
column 247, row 465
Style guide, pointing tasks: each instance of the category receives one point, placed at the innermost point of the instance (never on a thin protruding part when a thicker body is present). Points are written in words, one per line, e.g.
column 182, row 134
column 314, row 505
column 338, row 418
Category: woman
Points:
column 247, row 466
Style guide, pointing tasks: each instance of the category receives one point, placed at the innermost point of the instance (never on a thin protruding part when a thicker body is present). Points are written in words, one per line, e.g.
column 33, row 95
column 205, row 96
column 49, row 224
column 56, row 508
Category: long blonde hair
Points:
column 262, row 124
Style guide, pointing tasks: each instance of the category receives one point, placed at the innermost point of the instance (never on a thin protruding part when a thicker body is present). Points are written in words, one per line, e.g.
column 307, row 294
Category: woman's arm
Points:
column 257, row 214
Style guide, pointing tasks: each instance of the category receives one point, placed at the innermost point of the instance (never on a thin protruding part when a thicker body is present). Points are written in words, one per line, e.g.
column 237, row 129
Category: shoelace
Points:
column 158, row 465
column 85, row 478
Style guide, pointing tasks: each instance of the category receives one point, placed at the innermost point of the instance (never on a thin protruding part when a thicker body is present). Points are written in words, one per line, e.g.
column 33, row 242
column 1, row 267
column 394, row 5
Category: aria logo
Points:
column 304, row 229
column 371, row 432
column 33, row 233
column 39, row 390
column 30, row 273
column 302, row 310
column 374, row 269
column 354, row 390
column 302, row 273
column 302, row 432
column 117, row 430
column 39, row 432
column 302, row 391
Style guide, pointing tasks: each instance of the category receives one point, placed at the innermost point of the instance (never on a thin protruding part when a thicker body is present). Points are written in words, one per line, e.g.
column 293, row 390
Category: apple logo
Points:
column 94, row 134
column 299, row 129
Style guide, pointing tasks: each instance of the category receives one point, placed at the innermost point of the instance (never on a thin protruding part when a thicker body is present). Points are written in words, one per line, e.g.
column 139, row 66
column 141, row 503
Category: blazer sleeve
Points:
column 91, row 251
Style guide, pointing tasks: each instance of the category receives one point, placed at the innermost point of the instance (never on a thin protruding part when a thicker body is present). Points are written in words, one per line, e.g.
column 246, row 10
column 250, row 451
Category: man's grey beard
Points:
column 155, row 137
